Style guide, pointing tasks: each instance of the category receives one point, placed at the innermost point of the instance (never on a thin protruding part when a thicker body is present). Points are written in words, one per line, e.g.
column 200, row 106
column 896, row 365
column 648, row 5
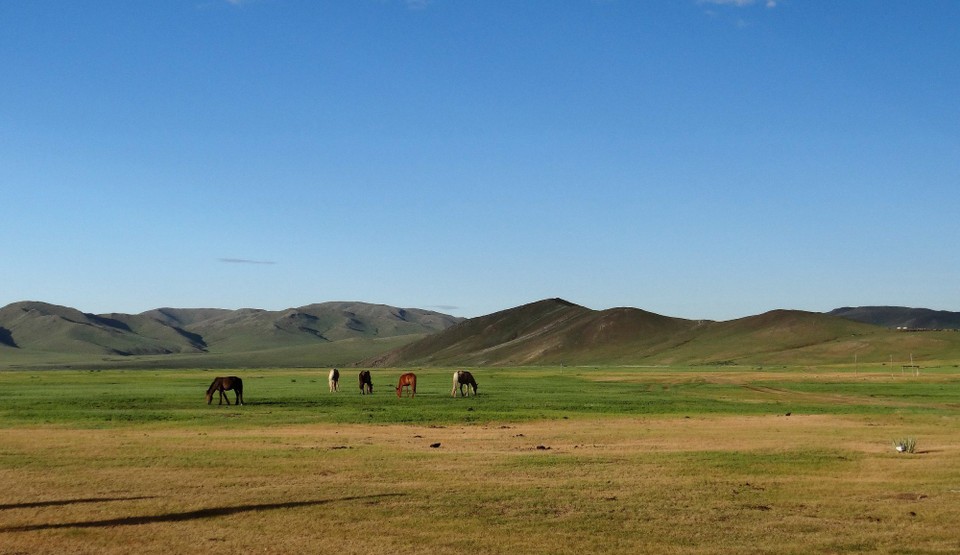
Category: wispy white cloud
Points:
column 245, row 261
column 718, row 9
column 739, row 3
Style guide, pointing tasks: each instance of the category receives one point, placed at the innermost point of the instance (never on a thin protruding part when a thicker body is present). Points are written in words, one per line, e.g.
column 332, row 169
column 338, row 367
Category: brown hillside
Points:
column 552, row 331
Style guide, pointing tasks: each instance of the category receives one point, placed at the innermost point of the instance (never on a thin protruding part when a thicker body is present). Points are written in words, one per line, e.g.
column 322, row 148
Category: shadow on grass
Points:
column 188, row 515
column 62, row 502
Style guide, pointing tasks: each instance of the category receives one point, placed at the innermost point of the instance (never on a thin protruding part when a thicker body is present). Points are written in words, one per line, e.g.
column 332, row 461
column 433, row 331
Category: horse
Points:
column 408, row 380
column 222, row 384
column 463, row 378
column 334, row 380
column 366, row 384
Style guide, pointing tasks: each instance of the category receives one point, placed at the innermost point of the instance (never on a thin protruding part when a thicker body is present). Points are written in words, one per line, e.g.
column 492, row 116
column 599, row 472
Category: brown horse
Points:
column 222, row 384
column 408, row 380
column 463, row 378
column 366, row 382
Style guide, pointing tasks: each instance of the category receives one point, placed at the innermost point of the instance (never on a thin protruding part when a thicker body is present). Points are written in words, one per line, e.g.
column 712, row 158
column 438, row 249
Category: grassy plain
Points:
column 544, row 460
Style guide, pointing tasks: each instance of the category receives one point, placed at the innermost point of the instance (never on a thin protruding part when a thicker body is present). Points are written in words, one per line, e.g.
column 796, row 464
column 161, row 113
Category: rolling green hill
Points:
column 35, row 326
column 327, row 333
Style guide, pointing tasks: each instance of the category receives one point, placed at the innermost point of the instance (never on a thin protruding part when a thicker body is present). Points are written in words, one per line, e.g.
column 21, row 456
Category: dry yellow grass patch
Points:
column 771, row 484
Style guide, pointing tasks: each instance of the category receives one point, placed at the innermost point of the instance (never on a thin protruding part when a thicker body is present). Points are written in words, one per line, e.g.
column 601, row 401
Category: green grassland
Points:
column 543, row 460
column 91, row 398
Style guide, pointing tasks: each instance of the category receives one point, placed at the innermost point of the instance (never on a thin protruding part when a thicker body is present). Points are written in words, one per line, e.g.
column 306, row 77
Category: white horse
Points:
column 463, row 378
column 334, row 380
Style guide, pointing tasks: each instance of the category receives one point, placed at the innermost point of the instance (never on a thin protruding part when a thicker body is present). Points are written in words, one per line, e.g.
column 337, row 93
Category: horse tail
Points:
column 238, row 389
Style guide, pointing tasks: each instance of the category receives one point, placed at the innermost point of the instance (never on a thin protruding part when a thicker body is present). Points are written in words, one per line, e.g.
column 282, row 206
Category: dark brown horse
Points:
column 222, row 384
column 366, row 382
column 463, row 378
column 408, row 380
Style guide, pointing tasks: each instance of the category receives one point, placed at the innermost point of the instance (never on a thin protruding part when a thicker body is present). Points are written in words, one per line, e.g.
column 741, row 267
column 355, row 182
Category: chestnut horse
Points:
column 366, row 383
column 334, row 380
column 222, row 384
column 408, row 380
column 463, row 378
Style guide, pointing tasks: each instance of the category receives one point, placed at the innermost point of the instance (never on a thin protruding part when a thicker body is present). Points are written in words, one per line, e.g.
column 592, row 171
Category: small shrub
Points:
column 905, row 445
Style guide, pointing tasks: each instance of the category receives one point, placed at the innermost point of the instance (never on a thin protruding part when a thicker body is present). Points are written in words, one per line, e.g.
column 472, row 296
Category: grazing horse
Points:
column 463, row 378
column 408, row 380
column 366, row 383
column 334, row 380
column 221, row 384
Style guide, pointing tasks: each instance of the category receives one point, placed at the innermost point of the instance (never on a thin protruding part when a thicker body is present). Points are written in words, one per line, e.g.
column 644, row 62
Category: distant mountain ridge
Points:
column 901, row 317
column 44, row 327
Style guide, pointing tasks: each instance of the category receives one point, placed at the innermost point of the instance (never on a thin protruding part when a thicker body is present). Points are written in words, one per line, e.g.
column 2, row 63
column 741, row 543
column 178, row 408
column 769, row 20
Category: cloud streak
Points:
column 738, row 3
column 245, row 261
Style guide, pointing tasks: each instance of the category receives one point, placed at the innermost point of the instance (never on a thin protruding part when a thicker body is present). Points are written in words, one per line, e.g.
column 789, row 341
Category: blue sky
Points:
column 699, row 159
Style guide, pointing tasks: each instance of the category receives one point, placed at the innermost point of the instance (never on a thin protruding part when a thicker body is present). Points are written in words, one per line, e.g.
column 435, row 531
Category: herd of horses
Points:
column 408, row 382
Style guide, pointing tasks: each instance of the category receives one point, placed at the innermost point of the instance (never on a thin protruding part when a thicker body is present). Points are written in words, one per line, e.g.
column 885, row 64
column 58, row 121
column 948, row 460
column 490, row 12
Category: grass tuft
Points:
column 905, row 445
